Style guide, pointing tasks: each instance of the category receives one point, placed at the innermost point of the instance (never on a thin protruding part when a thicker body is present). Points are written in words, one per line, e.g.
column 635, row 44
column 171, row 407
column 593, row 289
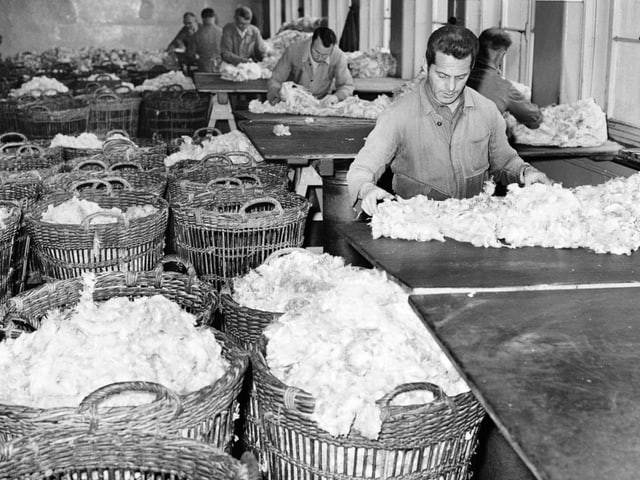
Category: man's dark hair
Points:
column 326, row 36
column 207, row 13
column 244, row 12
column 493, row 39
column 459, row 42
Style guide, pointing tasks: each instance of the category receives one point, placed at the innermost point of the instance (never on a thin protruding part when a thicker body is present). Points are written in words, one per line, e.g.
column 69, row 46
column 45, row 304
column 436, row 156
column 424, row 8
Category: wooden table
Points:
column 557, row 371
column 454, row 265
column 607, row 151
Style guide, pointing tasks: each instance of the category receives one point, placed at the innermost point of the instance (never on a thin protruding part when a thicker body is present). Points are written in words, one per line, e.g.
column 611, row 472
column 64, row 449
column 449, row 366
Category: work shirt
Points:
column 296, row 65
column 425, row 160
column 184, row 39
column 207, row 47
column 487, row 81
column 238, row 48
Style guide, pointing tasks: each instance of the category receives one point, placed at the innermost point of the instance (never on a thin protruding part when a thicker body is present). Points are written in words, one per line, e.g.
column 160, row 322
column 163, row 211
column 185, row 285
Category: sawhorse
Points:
column 221, row 110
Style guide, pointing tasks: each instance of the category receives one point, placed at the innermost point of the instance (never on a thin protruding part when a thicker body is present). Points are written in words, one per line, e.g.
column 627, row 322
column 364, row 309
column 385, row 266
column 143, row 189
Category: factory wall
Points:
column 37, row 25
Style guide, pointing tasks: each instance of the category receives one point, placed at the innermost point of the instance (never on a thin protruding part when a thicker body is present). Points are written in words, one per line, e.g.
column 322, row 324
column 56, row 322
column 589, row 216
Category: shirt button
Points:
column 439, row 123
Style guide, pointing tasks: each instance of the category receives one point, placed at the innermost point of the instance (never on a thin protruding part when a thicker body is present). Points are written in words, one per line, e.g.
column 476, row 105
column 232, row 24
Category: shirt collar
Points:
column 326, row 60
column 430, row 104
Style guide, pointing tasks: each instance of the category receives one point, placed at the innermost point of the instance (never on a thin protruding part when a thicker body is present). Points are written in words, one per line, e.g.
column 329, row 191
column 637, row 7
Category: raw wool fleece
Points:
column 4, row 214
column 579, row 124
column 228, row 142
column 347, row 336
column 603, row 218
column 74, row 211
column 76, row 351
column 84, row 140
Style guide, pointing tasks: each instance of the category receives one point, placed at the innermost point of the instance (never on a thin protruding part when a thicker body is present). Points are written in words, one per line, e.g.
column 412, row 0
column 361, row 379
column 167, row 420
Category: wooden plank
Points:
column 451, row 264
column 324, row 138
column 213, row 82
column 606, row 151
column 557, row 372
column 378, row 84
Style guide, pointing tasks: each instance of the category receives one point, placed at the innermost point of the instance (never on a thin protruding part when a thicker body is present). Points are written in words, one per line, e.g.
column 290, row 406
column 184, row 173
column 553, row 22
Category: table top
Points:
column 325, row 137
column 557, row 372
column 606, row 151
column 455, row 265
column 213, row 82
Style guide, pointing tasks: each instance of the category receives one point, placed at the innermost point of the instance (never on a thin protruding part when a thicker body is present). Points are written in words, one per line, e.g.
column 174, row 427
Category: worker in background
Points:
column 487, row 79
column 441, row 140
column 316, row 64
column 183, row 43
column 241, row 41
column 207, row 42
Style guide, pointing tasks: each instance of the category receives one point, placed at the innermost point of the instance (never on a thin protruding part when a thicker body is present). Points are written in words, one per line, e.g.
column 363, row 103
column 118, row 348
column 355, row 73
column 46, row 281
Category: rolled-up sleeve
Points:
column 373, row 158
column 505, row 163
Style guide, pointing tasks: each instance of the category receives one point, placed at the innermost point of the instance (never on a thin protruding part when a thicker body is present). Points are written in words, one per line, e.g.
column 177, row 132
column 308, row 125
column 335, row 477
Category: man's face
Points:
column 448, row 76
column 191, row 23
column 242, row 23
column 319, row 52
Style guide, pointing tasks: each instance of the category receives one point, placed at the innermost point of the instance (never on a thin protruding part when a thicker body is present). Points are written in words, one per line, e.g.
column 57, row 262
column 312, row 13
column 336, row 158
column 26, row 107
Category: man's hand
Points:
column 533, row 175
column 330, row 100
column 274, row 100
column 371, row 195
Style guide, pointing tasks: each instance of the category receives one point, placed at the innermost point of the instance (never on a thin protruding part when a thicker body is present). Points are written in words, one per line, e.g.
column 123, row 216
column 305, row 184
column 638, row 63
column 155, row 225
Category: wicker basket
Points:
column 206, row 414
column 8, row 231
column 45, row 119
column 433, row 441
column 173, row 112
column 117, row 457
column 154, row 150
column 21, row 157
column 109, row 111
column 226, row 233
column 67, row 250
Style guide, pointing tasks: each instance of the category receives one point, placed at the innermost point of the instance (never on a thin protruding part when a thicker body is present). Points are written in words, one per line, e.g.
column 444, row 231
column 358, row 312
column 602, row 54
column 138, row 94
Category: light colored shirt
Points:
column 426, row 161
column 236, row 49
column 296, row 65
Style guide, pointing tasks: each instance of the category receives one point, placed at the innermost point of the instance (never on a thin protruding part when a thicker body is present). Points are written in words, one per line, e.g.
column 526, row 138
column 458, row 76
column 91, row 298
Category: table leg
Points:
column 221, row 110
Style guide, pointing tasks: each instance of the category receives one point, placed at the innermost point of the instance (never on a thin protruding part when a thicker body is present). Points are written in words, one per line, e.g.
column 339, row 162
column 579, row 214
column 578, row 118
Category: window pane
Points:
column 516, row 14
column 625, row 95
column 627, row 19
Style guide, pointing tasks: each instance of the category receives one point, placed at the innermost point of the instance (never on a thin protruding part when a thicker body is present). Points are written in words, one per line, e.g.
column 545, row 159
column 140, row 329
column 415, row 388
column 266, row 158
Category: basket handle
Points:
column 117, row 131
column 159, row 268
column 90, row 161
column 189, row 93
column 174, row 87
column 214, row 156
column 102, row 77
column 122, row 181
column 122, row 165
column 122, row 88
column 252, row 178
column 30, row 96
column 89, row 404
column 13, row 146
column 113, row 145
column 285, row 251
column 106, row 97
column 257, row 201
column 93, row 183
column 21, row 137
column 39, row 108
column 249, row 160
column 226, row 181
column 86, row 223
column 439, row 395
column 30, row 149
column 205, row 132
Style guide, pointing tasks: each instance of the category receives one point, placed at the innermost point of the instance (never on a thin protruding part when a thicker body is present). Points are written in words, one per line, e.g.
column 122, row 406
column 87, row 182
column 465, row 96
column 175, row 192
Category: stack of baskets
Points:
column 68, row 250
column 172, row 112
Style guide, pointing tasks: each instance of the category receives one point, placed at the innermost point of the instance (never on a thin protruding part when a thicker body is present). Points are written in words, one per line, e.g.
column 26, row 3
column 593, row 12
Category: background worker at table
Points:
column 207, row 42
column 241, row 41
column 487, row 79
column 183, row 43
column 441, row 140
column 315, row 64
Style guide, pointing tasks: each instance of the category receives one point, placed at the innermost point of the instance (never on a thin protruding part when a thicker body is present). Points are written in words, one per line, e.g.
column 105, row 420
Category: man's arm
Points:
column 178, row 40
column 279, row 75
column 260, row 49
column 344, row 80
column 523, row 110
column 226, row 46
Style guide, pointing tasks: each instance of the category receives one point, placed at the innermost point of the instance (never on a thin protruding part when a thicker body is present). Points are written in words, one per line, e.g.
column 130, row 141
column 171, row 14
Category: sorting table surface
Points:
column 452, row 264
column 556, row 370
column 607, row 151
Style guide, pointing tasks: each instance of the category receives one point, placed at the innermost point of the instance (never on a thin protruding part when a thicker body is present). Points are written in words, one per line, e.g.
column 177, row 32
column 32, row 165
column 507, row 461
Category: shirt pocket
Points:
column 478, row 155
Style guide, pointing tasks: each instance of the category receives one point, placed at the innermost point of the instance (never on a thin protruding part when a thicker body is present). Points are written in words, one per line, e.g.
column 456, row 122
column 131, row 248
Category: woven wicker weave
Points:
column 173, row 112
column 226, row 233
column 8, row 233
column 433, row 441
column 60, row 455
column 21, row 157
column 206, row 414
column 66, row 250
column 109, row 111
column 45, row 119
